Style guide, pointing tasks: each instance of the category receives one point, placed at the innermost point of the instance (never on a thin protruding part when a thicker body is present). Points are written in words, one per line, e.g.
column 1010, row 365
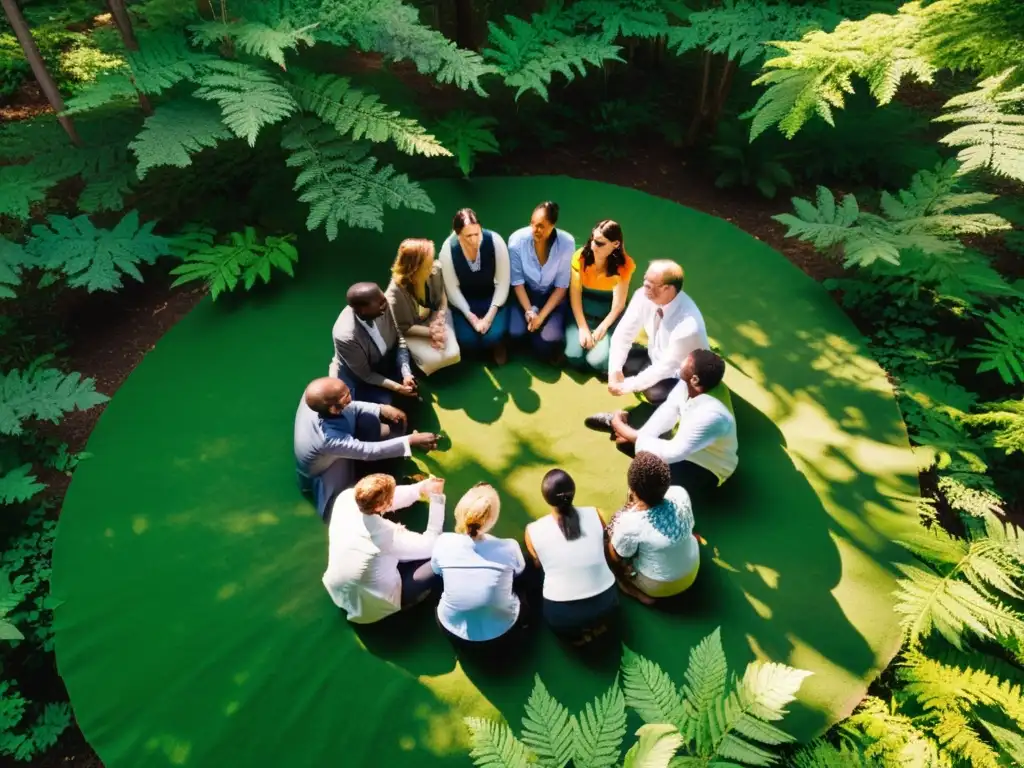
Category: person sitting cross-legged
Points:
column 651, row 544
column 475, row 264
column 579, row 593
column 704, row 450
column 370, row 353
column 336, row 437
column 673, row 325
column 377, row 567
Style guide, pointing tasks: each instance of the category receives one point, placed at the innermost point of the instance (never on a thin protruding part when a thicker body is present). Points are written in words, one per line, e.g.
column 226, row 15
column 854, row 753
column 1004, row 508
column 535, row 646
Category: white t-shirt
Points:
column 478, row 603
column 573, row 570
column 659, row 541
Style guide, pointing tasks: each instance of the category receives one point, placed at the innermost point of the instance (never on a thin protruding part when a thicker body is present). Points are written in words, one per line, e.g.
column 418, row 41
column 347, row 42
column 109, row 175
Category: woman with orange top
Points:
column 598, row 291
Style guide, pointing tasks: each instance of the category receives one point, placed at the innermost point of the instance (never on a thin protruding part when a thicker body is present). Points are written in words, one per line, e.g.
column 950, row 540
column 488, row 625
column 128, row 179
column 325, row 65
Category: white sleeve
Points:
column 684, row 339
column 502, row 271
column 699, row 430
column 451, row 280
column 410, row 545
column 665, row 416
column 406, row 495
column 625, row 333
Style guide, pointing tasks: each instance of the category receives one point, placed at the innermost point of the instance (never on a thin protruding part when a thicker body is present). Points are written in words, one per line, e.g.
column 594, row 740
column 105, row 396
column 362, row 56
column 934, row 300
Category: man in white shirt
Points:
column 674, row 328
column 703, row 452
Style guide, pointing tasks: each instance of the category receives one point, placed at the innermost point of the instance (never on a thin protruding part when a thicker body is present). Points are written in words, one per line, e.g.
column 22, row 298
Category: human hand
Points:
column 434, row 485
column 426, row 441
column 599, row 333
column 620, row 419
column 409, row 381
column 484, row 324
column 617, row 378
column 586, row 339
column 529, row 316
column 534, row 323
column 616, row 388
column 392, row 414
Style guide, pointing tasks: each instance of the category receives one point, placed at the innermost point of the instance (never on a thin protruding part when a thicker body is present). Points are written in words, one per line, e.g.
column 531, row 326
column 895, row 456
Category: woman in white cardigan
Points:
column 377, row 567
column 580, row 596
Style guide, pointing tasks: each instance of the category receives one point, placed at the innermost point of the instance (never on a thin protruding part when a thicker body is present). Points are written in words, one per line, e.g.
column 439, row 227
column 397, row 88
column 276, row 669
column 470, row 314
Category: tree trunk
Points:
column 722, row 92
column 124, row 26
column 702, row 103
column 35, row 60
column 465, row 25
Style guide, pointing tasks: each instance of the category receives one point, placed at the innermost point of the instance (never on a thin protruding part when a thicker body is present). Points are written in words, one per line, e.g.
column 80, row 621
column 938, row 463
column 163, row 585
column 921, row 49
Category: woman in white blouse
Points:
column 377, row 567
column 475, row 265
column 478, row 605
column 652, row 544
column 579, row 592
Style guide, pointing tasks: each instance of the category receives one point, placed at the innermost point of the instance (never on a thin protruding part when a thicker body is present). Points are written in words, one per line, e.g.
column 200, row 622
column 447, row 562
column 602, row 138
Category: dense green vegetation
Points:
column 181, row 122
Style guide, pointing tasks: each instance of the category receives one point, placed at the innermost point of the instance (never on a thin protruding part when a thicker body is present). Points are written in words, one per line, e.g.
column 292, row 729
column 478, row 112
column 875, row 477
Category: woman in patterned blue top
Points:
column 540, row 258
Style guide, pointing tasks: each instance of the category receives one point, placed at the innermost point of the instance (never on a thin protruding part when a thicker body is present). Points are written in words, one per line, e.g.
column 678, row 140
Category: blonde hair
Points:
column 374, row 493
column 412, row 264
column 477, row 511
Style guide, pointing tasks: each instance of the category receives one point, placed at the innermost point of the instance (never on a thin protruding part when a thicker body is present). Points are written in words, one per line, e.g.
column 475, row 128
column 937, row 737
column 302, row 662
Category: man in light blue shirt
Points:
column 540, row 261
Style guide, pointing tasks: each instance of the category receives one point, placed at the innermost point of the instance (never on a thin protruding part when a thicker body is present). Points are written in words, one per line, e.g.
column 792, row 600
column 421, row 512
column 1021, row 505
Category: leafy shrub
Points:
column 243, row 258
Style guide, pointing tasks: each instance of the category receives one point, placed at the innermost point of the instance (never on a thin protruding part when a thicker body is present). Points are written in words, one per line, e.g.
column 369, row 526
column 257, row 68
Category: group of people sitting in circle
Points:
column 570, row 305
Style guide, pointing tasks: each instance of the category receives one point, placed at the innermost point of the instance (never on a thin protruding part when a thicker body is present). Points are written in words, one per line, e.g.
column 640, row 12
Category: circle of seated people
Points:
column 569, row 305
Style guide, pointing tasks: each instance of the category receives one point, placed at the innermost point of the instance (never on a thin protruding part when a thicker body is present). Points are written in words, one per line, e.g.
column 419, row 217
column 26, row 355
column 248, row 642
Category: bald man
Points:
column 370, row 354
column 335, row 436
column 674, row 328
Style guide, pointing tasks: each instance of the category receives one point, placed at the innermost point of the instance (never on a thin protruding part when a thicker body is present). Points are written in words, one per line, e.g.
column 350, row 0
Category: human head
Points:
column 477, row 510
column 466, row 227
column 414, row 261
column 649, row 478
column 543, row 220
column 374, row 494
column 606, row 243
column 663, row 281
column 558, row 488
column 367, row 300
column 327, row 396
column 702, row 370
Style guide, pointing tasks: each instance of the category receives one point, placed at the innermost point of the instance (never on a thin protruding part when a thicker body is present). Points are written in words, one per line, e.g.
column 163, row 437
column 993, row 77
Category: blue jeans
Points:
column 471, row 341
column 549, row 340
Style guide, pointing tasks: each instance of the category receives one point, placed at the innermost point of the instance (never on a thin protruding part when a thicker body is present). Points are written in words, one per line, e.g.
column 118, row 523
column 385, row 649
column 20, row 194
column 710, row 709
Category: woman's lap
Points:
column 466, row 334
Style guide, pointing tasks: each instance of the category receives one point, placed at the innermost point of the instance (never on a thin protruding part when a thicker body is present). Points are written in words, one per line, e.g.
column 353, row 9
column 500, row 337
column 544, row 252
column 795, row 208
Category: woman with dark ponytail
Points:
column 580, row 595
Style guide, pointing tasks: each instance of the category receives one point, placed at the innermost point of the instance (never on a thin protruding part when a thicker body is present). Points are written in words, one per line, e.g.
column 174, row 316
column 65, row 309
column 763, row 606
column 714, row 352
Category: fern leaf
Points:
column 967, row 500
column 650, row 691
column 96, row 258
column 495, row 746
column 548, row 729
column 42, row 393
column 886, row 736
column 1003, row 352
column 164, row 60
column 992, row 132
column 704, row 689
column 1010, row 742
column 821, row 754
column 343, row 185
column 466, row 135
column 108, row 88
column 255, row 37
column 621, row 19
column 13, row 259
column 601, row 728
column 655, row 748
column 21, row 187
column 1006, row 420
column 958, row 736
column 243, row 259
column 18, row 485
column 350, row 110
column 249, row 98
column 174, row 132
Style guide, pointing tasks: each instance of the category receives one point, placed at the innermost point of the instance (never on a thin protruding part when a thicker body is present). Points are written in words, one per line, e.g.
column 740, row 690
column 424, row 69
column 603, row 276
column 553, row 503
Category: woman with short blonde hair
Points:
column 417, row 297
column 478, row 603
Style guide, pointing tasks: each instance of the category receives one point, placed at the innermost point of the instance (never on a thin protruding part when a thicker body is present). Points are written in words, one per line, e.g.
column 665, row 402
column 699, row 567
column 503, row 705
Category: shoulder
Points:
column 577, row 260
column 517, row 237
column 626, row 270
column 566, row 238
column 346, row 322
column 678, row 496
column 392, row 290
column 494, row 237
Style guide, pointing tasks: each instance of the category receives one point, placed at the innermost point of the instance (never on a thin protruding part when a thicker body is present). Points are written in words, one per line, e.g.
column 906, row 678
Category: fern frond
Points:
column 42, row 393
column 1010, row 742
column 466, row 135
column 242, row 258
column 958, row 736
column 1005, row 421
column 655, row 748
column 107, row 88
column 821, row 754
column 621, row 19
column 548, row 729
column 350, row 110
column 976, row 502
column 495, row 746
column 887, row 737
column 341, row 183
column 650, row 691
column 18, row 485
column 255, row 37
column 992, row 131
column 174, row 132
column 704, row 689
column 13, row 259
column 1003, row 351
column 94, row 258
column 249, row 98
column 601, row 727
column 21, row 187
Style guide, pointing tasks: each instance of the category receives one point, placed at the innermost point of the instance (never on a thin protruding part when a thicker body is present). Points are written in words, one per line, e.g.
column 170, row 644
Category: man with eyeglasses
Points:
column 674, row 328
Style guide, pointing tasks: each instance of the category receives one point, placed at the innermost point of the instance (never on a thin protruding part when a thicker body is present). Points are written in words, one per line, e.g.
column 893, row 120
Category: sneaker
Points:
column 602, row 422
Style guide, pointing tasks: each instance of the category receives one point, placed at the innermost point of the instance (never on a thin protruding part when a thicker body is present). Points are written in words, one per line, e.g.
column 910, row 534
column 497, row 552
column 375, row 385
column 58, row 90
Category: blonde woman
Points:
column 478, row 604
column 420, row 306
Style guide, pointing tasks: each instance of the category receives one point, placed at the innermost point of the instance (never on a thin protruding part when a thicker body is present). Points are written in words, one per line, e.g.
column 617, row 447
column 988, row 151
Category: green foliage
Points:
column 93, row 258
column 466, row 135
column 601, row 727
column 249, row 97
column 243, row 258
column 637, row 19
column 42, row 393
column 881, row 735
column 23, row 740
column 254, row 37
column 1003, row 351
column 1005, row 419
column 548, row 729
column 174, row 132
column 18, row 485
column 741, row 164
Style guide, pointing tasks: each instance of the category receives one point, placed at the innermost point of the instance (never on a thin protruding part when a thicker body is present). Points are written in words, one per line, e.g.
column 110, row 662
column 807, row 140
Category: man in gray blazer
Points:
column 370, row 354
column 336, row 437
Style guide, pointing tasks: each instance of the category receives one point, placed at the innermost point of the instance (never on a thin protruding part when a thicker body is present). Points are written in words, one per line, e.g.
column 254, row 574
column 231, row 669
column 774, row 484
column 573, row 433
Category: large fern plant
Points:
column 715, row 718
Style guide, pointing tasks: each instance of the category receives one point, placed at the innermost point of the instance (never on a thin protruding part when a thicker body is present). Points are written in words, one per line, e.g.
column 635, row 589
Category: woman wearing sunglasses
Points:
column 598, row 291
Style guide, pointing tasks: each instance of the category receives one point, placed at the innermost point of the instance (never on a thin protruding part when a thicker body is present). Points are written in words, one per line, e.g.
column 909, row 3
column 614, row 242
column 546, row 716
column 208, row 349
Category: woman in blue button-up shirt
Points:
column 540, row 257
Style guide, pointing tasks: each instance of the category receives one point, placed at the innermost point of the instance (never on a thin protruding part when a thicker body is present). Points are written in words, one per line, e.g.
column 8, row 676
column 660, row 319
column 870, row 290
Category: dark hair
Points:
column 649, row 478
column 559, row 489
column 463, row 218
column 616, row 259
column 709, row 368
column 550, row 211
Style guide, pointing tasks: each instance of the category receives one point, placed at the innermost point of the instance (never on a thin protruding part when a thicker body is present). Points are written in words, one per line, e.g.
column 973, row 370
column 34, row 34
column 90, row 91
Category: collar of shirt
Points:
column 545, row 276
column 371, row 328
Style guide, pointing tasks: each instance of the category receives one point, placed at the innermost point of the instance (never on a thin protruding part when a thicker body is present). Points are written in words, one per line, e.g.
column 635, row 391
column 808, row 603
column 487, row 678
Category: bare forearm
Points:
column 523, row 298
column 553, row 301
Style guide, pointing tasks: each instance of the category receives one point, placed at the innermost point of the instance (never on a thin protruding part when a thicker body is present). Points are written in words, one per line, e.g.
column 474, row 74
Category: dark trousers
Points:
column 693, row 477
column 418, row 582
column 387, row 367
column 636, row 361
column 573, row 620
